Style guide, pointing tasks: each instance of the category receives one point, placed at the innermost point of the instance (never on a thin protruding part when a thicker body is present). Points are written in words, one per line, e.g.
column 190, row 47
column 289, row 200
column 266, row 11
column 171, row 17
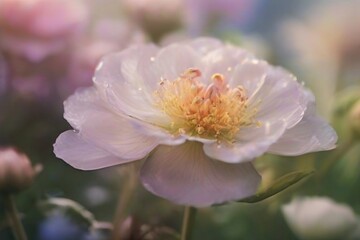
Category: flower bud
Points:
column 354, row 118
column 320, row 218
column 16, row 171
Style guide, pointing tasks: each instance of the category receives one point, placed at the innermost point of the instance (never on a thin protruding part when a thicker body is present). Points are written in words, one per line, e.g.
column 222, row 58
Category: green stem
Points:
column 337, row 154
column 123, row 202
column 13, row 217
column 188, row 223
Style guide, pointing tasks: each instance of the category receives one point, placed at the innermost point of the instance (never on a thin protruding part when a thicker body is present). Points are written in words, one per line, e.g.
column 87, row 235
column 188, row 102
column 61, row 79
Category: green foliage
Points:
column 279, row 185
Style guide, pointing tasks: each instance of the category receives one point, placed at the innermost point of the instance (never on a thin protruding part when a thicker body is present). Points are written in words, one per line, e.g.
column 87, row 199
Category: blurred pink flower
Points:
column 38, row 28
column 198, row 111
column 107, row 36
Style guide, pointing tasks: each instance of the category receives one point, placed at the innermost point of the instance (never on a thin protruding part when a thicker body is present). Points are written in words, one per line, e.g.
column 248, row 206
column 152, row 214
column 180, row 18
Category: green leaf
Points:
column 279, row 185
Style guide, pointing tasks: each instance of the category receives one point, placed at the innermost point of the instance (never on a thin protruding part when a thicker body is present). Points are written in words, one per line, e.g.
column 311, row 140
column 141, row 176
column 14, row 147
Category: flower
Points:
column 326, row 47
column 320, row 218
column 16, row 172
column 38, row 28
column 199, row 112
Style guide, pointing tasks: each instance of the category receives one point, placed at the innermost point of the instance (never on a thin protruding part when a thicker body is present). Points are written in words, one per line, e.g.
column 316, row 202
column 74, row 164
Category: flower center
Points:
column 215, row 111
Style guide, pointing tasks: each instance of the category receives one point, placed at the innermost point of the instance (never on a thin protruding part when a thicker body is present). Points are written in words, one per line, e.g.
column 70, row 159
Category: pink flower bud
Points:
column 16, row 171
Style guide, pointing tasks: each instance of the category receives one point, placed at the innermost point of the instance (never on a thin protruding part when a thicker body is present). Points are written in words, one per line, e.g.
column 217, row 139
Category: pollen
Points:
column 213, row 111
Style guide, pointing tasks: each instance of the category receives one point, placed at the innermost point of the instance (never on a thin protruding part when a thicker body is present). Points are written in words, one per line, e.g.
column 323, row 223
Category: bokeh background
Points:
column 49, row 48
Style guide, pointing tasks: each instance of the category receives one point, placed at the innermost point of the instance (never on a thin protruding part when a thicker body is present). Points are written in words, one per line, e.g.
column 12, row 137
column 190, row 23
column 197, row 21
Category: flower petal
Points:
column 126, row 83
column 185, row 175
column 273, row 92
column 251, row 143
column 173, row 60
column 82, row 105
column 311, row 134
column 118, row 135
column 83, row 155
column 224, row 61
column 115, row 133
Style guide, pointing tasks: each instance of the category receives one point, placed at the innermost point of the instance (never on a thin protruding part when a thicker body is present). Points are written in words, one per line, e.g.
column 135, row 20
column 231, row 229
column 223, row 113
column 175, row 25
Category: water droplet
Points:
column 152, row 59
column 140, row 89
column 229, row 69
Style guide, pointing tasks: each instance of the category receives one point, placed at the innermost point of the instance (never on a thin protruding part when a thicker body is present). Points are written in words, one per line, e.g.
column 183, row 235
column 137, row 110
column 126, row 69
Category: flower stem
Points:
column 188, row 223
column 13, row 217
column 124, row 199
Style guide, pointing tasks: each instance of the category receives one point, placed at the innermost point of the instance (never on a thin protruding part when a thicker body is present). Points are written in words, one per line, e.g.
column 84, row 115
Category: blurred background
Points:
column 49, row 48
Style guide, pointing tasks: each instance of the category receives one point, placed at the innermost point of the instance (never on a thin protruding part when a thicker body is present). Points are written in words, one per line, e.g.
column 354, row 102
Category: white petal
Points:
column 126, row 81
column 274, row 92
column 224, row 61
column 185, row 175
column 311, row 134
column 118, row 135
column 173, row 60
column 250, row 74
column 88, row 113
column 251, row 143
column 82, row 105
column 82, row 155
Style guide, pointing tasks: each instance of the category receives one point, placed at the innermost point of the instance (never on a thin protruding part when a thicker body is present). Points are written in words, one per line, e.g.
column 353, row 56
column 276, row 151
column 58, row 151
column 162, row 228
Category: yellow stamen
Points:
column 215, row 111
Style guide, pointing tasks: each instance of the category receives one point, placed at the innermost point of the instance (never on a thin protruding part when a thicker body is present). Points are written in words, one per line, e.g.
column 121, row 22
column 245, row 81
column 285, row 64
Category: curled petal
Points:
column 185, row 175
column 311, row 134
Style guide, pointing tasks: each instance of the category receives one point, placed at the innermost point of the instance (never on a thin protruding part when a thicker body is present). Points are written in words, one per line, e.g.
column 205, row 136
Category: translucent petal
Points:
column 311, row 134
column 185, row 175
column 83, row 155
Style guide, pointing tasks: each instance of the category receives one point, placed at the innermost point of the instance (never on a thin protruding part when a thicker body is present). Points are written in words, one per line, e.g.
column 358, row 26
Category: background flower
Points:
column 320, row 218
column 325, row 46
column 38, row 28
